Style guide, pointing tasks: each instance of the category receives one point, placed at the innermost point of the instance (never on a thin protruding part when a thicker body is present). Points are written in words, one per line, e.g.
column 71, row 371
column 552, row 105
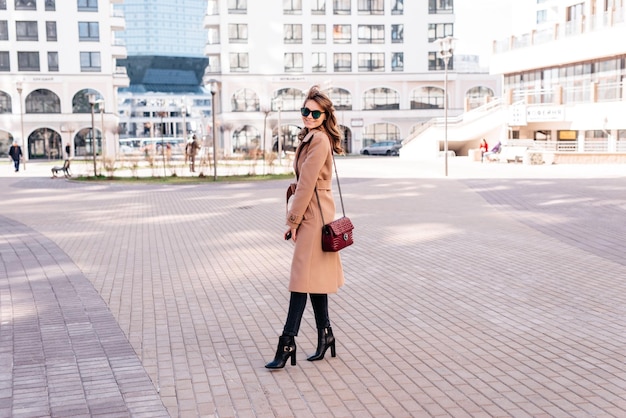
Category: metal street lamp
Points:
column 162, row 115
column 267, row 112
column 213, row 110
column 446, row 49
column 101, row 106
column 279, row 107
column 92, row 102
column 19, row 92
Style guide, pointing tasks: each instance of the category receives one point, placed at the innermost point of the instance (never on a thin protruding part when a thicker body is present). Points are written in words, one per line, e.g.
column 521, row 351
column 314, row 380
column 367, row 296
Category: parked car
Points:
column 382, row 148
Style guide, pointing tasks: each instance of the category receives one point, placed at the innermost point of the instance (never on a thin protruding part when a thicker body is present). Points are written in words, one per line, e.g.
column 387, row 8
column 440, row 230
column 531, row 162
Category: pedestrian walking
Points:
column 15, row 152
column 314, row 273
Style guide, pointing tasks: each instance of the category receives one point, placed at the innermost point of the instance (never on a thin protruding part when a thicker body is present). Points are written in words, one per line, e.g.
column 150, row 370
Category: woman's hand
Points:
column 290, row 234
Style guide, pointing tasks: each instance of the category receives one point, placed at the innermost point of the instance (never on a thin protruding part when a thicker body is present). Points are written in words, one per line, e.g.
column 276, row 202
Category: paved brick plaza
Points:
column 499, row 291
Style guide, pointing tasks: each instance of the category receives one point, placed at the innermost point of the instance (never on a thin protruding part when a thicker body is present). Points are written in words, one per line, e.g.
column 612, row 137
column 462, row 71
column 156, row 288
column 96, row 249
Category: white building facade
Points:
column 378, row 60
column 564, row 81
column 53, row 56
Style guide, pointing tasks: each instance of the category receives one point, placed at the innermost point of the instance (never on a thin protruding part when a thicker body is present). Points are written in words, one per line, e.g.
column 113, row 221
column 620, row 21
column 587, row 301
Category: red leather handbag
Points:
column 337, row 234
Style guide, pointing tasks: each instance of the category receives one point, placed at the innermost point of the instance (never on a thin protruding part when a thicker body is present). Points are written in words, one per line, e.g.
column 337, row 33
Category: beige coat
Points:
column 313, row 270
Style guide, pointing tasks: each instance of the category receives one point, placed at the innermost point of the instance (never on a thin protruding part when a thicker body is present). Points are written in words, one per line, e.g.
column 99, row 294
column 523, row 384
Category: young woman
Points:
column 313, row 272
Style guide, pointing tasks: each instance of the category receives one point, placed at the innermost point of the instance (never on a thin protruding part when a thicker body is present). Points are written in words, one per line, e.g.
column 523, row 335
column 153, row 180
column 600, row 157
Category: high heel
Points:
column 286, row 349
column 325, row 339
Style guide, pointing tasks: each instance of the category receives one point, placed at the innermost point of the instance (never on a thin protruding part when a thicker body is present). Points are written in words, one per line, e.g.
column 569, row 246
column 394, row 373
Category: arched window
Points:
column 289, row 136
column 42, row 101
column 45, row 143
column 378, row 132
column 80, row 101
column 341, row 98
column 246, row 139
column 83, row 142
column 381, row 98
column 5, row 103
column 245, row 100
column 427, row 98
column 478, row 96
column 288, row 99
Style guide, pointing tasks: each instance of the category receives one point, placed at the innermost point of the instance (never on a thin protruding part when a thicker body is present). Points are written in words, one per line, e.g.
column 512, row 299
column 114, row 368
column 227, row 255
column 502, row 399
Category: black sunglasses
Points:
column 305, row 111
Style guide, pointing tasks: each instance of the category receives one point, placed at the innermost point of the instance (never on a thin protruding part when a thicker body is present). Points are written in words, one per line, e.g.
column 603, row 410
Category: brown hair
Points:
column 330, row 121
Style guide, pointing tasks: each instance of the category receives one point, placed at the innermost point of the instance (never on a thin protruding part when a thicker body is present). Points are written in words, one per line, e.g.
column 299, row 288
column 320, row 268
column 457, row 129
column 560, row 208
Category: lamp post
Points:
column 267, row 113
column 162, row 115
column 279, row 107
column 19, row 92
column 214, row 130
column 101, row 106
column 92, row 103
column 446, row 48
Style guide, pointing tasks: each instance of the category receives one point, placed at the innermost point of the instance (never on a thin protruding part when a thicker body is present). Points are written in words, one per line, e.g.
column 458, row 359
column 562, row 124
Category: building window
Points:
column 440, row 6
column 5, row 64
column 342, row 34
column 239, row 62
column 342, row 62
column 293, row 34
column 318, row 7
column 380, row 132
column 371, row 61
column 28, row 61
column 26, row 31
column 427, row 98
column 50, row 5
column 371, row 34
column 439, row 31
column 318, row 62
column 397, row 7
column 24, row 5
column 237, row 6
column 53, row 61
column 215, row 64
column 435, row 62
column 5, row 103
column 318, row 34
column 341, row 98
column 87, row 5
column 238, row 33
column 4, row 30
column 89, row 61
column 381, row 98
column 42, row 101
column 245, row 100
column 293, row 62
column 397, row 34
column 341, row 7
column 292, row 7
column 397, row 61
column 51, row 31
column 213, row 35
column 371, row 7
column 289, row 99
column 3, row 4
column 88, row 31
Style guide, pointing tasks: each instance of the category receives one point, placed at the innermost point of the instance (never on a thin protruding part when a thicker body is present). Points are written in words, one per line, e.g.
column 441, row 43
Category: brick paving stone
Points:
column 496, row 292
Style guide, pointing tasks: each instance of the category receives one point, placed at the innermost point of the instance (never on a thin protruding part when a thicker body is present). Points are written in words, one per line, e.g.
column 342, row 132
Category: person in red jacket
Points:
column 484, row 147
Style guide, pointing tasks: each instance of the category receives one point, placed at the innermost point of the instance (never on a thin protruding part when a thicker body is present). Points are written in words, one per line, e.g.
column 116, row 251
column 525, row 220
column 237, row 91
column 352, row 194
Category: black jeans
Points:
column 297, row 303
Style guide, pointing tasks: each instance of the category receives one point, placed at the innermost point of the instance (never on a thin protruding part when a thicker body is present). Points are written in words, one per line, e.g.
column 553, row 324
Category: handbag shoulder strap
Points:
column 343, row 211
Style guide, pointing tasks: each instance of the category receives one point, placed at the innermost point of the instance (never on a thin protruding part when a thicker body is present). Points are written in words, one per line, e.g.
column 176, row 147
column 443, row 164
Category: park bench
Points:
column 65, row 169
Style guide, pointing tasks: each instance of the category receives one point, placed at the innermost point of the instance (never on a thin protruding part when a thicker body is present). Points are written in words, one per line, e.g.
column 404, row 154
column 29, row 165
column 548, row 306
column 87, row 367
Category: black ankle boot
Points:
column 286, row 348
column 325, row 339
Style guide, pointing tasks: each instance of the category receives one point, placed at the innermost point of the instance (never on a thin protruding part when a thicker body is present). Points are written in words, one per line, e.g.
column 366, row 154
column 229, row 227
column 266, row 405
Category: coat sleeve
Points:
column 313, row 161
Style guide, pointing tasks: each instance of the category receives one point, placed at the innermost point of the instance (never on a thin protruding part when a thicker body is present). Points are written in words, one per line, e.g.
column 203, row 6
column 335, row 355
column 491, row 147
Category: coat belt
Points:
column 324, row 184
